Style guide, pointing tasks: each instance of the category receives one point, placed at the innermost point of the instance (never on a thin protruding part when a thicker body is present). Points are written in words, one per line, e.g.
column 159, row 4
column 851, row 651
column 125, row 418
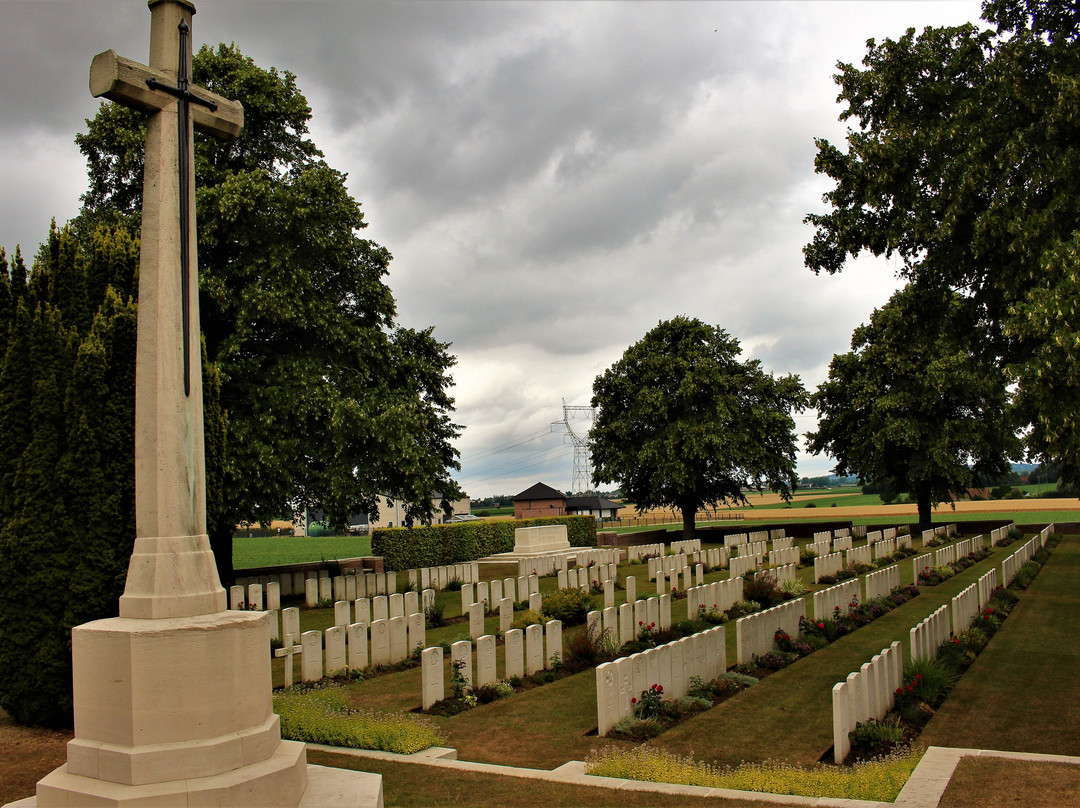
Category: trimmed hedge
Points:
column 405, row 548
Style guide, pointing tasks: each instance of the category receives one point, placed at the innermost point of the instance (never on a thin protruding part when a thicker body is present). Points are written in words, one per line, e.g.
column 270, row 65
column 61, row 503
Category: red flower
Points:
column 633, row 701
column 899, row 691
column 659, row 688
column 821, row 625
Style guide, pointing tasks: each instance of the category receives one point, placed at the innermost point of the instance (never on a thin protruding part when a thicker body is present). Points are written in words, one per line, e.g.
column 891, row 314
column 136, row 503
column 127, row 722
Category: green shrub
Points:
column 741, row 608
column 928, row 680
column 528, row 618
column 1025, row 575
column 973, row 638
column 321, row 714
column 435, row 545
column 761, row 586
column 726, row 684
column 1003, row 599
column 571, row 606
column 433, row 616
column 688, row 705
column 638, row 729
column 876, row 736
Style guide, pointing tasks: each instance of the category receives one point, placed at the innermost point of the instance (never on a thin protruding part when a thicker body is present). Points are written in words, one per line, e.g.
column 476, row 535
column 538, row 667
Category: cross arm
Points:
column 124, row 81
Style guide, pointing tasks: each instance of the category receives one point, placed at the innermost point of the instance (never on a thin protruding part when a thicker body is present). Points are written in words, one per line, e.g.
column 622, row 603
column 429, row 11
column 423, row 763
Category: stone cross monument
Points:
column 172, row 699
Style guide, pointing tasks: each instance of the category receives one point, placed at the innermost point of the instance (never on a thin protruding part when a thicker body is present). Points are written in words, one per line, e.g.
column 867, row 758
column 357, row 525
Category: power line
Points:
column 506, row 446
column 516, row 468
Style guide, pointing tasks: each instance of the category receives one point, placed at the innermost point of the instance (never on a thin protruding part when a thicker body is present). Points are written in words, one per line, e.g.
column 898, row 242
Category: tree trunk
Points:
column 689, row 517
column 221, row 544
column 926, row 520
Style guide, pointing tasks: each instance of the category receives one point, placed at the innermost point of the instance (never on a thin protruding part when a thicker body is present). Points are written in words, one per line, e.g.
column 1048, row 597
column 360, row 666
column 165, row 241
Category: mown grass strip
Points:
column 1022, row 694
column 411, row 784
column 272, row 551
column 988, row 782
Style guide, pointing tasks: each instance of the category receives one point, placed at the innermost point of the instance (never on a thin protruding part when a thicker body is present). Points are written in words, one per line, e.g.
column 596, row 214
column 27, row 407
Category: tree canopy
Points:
column 965, row 165
column 914, row 407
column 683, row 423
column 328, row 402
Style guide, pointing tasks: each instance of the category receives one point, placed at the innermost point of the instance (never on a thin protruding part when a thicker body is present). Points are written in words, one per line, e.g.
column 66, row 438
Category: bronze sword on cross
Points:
column 226, row 123
column 170, row 476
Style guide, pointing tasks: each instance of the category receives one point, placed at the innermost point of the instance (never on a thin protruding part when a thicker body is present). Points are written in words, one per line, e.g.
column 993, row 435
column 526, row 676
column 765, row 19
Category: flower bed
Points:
column 817, row 633
column 934, row 575
column 927, row 682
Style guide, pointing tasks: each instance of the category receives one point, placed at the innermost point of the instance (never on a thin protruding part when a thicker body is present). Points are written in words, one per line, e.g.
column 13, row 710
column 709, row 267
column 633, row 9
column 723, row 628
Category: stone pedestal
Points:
column 175, row 711
column 541, row 539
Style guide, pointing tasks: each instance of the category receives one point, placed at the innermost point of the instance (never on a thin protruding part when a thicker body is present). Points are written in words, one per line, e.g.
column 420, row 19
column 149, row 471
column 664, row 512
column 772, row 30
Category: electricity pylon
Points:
column 575, row 417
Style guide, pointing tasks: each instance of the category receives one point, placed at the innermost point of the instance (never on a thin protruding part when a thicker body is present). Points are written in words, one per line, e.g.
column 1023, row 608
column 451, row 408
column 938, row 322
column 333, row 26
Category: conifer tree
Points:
column 35, row 538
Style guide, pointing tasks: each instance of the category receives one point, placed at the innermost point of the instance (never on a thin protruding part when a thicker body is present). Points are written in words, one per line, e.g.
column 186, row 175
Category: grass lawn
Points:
column 781, row 718
column 404, row 784
column 997, row 783
column 269, row 551
column 1023, row 692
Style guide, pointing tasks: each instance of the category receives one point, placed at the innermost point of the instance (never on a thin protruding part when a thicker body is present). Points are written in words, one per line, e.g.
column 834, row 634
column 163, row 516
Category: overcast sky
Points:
column 553, row 179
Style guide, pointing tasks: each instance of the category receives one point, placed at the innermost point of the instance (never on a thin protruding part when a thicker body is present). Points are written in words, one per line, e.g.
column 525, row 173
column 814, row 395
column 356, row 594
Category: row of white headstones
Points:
column 343, row 642
column 870, row 692
column 756, row 633
column 525, row 652
column 319, row 585
column 842, row 554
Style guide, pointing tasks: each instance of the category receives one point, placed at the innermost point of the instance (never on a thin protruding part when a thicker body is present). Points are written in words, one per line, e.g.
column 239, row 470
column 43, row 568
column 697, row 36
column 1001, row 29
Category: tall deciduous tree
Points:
column 914, row 407
column 327, row 402
column 683, row 423
column 965, row 165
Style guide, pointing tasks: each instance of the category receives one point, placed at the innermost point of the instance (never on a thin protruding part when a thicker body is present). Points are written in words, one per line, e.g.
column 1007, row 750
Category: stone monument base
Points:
column 178, row 711
column 541, row 539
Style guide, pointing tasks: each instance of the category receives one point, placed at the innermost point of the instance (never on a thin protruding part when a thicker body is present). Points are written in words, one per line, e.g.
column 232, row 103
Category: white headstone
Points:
column 553, row 638
column 432, row 676
column 335, row 649
column 417, row 631
column 311, row 659
column 358, row 646
column 380, row 642
column 461, row 660
column 534, row 649
column 380, row 608
column 485, row 660
column 515, row 653
column 341, row 613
